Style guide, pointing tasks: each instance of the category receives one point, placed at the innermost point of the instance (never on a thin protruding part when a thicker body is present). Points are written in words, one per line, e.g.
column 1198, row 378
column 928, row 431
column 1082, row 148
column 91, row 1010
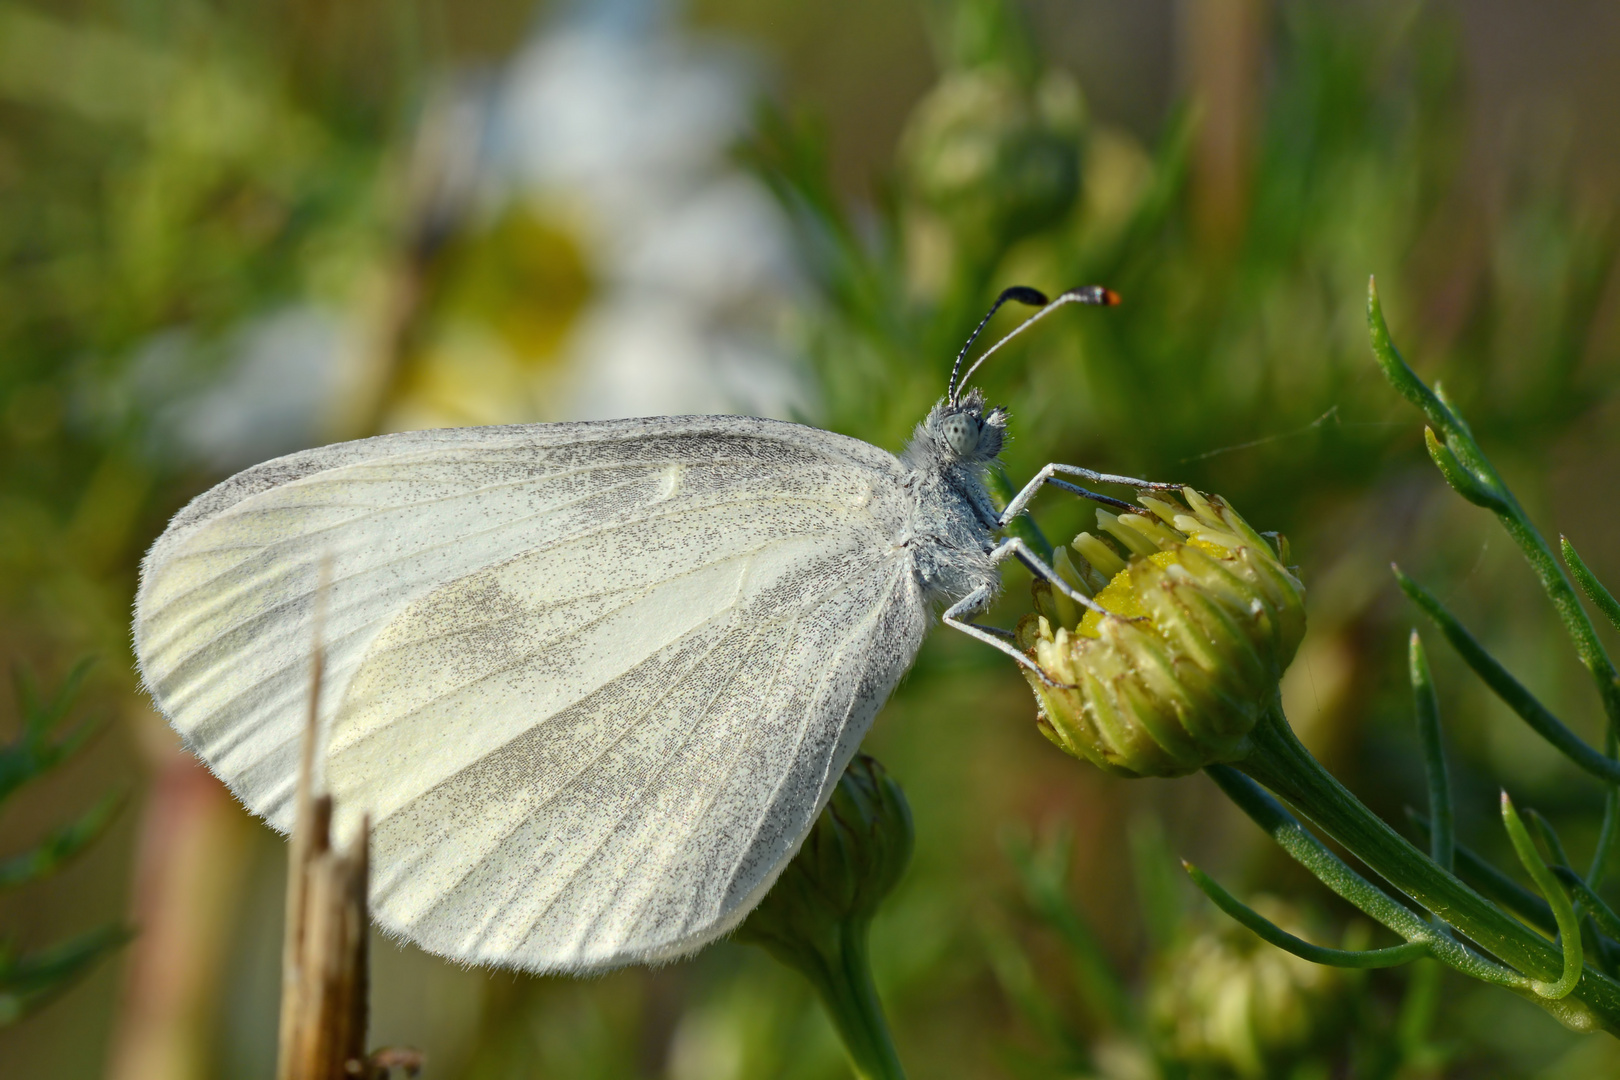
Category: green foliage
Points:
column 29, row 980
column 1238, row 360
column 1236, row 363
column 163, row 179
column 1213, row 1001
column 1572, row 979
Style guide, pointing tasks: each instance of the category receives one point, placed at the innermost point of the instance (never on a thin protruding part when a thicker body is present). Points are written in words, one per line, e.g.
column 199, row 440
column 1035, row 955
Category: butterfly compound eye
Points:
column 961, row 432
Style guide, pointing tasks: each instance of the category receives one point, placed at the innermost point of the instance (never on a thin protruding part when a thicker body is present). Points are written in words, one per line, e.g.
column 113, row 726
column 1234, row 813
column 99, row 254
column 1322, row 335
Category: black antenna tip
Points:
column 1023, row 294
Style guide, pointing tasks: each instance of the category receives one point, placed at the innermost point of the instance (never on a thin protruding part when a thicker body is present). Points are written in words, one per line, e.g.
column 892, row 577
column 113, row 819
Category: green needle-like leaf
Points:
column 1553, row 846
column 1442, row 836
column 1396, row 370
column 1510, row 690
column 1569, row 931
column 60, row 846
column 1317, row 954
column 1608, row 833
column 1598, row 948
column 28, row 982
column 1465, row 464
column 1601, row 598
column 32, row 753
column 1457, row 475
column 1333, row 872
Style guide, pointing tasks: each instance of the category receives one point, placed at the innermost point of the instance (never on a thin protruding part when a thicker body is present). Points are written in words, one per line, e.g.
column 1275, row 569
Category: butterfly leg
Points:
column 1048, row 476
column 1014, row 548
column 993, row 636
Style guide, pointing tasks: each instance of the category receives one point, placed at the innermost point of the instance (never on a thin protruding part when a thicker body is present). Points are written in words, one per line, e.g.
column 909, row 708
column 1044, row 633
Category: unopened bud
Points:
column 854, row 856
column 816, row 917
column 994, row 158
column 1225, row 999
column 1204, row 617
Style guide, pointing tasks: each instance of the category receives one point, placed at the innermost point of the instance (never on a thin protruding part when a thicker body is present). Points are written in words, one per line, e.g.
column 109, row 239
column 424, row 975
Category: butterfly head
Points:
column 965, row 430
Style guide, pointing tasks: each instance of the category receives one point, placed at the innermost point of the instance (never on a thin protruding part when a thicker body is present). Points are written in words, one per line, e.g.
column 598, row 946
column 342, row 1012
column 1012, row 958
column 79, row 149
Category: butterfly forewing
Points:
column 592, row 682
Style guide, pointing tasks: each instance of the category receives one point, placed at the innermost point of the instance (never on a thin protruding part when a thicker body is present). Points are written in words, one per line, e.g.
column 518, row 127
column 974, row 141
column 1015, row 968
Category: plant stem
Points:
column 1510, row 690
column 1473, row 476
column 1391, row 956
column 1303, row 846
column 842, row 977
column 1282, row 764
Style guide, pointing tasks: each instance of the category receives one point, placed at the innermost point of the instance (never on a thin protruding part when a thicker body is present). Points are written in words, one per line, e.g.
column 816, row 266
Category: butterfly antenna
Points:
column 1023, row 294
column 1086, row 294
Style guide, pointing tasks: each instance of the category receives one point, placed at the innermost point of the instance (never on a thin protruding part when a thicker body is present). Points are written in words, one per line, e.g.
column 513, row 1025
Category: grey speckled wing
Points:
column 593, row 682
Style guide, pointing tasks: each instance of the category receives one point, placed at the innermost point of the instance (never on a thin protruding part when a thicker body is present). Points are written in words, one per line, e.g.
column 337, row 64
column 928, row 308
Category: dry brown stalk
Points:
column 324, row 956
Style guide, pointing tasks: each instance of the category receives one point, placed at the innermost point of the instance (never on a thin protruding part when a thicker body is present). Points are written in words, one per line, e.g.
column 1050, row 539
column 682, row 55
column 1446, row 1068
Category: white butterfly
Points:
column 592, row 682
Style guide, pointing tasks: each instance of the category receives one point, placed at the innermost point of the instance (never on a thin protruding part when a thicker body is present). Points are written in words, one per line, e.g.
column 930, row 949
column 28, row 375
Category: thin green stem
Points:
column 1482, row 479
column 1495, row 885
column 1333, row 872
column 1443, row 833
column 1608, row 834
column 1598, row 947
column 1569, row 928
column 1601, row 912
column 1599, row 925
column 1282, row 764
column 1287, row 768
column 1548, row 836
column 1269, row 931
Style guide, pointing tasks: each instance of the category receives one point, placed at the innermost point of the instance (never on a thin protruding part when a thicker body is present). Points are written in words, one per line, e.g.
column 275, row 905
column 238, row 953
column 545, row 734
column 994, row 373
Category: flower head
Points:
column 1202, row 617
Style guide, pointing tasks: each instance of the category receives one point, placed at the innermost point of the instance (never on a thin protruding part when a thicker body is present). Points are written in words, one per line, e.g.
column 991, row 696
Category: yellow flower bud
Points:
column 1203, row 619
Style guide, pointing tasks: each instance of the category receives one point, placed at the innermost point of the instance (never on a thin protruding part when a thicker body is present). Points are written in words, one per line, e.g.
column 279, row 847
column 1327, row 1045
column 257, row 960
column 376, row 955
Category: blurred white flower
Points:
column 618, row 129
column 266, row 389
column 273, row 394
column 583, row 248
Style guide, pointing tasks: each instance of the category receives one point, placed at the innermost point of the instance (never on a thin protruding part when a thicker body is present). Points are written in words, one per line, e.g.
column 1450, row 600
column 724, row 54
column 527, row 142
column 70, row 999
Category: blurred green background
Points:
column 232, row 228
